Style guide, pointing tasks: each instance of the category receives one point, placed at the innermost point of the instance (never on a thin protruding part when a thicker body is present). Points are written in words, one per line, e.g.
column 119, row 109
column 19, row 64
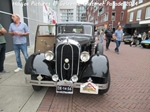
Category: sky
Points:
column 82, row 1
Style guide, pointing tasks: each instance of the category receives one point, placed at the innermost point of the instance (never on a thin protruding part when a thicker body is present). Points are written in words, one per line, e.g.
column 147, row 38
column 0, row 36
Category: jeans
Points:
column 2, row 56
column 101, row 39
column 23, row 48
column 117, row 45
column 107, row 42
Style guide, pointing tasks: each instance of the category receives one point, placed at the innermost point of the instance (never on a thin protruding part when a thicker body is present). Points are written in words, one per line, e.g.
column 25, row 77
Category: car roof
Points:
column 75, row 22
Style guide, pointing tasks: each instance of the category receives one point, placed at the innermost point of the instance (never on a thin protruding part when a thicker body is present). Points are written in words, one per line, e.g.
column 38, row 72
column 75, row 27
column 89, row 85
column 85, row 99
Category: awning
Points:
column 136, row 25
column 144, row 22
column 127, row 26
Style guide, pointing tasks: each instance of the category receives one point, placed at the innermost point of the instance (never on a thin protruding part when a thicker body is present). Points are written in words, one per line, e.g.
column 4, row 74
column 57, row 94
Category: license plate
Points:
column 127, row 41
column 146, row 44
column 89, row 88
column 64, row 87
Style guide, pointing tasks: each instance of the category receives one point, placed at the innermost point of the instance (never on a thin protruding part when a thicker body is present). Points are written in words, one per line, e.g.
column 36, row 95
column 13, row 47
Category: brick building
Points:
column 138, row 16
column 105, row 12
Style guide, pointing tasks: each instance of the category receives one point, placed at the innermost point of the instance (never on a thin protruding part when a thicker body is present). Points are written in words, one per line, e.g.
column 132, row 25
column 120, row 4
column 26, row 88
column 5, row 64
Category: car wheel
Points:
column 125, row 43
column 36, row 88
column 105, row 91
column 100, row 48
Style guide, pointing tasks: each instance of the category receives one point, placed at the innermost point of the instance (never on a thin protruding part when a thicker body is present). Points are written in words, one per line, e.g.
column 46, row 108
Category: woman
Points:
column 135, row 35
column 144, row 36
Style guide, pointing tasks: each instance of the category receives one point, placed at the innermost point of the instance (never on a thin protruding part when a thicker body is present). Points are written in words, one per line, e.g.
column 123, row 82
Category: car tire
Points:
column 36, row 88
column 101, row 92
column 100, row 48
column 125, row 43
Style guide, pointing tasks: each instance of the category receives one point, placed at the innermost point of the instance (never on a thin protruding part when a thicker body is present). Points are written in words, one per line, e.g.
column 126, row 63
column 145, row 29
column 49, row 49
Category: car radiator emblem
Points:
column 66, row 64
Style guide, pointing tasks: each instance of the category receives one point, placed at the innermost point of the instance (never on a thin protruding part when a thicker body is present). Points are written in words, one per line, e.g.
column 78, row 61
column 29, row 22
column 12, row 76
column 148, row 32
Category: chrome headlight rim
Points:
column 49, row 55
column 74, row 78
column 85, row 56
column 55, row 78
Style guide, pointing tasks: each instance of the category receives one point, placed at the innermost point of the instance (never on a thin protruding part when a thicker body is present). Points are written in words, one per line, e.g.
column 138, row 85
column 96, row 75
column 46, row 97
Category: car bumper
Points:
column 54, row 84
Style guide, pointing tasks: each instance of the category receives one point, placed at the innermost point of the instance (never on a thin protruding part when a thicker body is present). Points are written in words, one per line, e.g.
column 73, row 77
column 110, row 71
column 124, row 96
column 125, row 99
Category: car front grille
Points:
column 67, row 60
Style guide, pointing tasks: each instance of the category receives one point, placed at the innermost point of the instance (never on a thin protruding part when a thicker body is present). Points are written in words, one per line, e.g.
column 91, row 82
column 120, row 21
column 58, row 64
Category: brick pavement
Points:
column 129, row 90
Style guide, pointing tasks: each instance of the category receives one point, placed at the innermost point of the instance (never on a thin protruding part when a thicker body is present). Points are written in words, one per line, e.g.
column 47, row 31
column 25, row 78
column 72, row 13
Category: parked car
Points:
column 127, row 38
column 66, row 56
column 146, row 43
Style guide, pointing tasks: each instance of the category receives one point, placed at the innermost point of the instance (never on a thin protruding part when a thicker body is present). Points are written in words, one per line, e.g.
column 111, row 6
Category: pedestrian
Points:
column 119, row 37
column 19, row 31
column 108, row 35
column 148, row 34
column 2, row 48
column 144, row 36
column 135, row 35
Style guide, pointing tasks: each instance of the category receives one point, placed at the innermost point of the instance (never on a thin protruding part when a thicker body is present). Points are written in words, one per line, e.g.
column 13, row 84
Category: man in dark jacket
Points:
column 2, row 48
column 108, row 36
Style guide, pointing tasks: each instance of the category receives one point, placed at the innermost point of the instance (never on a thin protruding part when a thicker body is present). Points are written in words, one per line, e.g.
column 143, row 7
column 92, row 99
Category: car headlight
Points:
column 55, row 78
column 49, row 55
column 85, row 56
column 74, row 78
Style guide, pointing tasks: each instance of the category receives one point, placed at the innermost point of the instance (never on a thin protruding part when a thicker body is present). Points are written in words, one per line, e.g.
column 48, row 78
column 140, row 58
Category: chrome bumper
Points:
column 54, row 84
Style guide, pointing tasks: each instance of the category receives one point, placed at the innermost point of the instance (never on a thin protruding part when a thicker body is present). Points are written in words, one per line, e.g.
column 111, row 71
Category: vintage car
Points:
column 66, row 56
column 146, row 43
column 127, row 38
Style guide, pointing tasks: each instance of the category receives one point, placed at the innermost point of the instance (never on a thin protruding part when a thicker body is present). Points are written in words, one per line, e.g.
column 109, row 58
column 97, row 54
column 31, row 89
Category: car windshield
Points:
column 75, row 29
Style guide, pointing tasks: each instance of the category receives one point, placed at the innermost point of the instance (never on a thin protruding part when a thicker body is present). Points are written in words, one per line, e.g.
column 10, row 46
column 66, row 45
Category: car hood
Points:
column 82, row 40
column 146, row 41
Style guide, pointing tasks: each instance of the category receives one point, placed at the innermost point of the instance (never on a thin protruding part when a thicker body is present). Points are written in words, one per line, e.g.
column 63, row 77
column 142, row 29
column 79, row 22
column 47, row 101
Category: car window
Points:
column 75, row 29
column 46, row 30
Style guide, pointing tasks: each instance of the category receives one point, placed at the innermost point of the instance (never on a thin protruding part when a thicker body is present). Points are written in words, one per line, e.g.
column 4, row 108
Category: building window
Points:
column 101, row 11
column 140, row 1
column 113, row 17
column 106, row 17
column 133, row 3
column 95, row 8
column 138, row 16
column 113, row 5
column 121, row 16
column 147, row 15
column 96, row 21
column 66, row 14
column 131, row 17
column 124, row 6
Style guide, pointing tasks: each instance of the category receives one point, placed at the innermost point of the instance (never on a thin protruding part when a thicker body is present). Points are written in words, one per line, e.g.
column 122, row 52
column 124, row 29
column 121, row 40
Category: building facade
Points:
column 67, row 10
column 138, row 16
column 81, row 13
column 32, row 12
column 105, row 12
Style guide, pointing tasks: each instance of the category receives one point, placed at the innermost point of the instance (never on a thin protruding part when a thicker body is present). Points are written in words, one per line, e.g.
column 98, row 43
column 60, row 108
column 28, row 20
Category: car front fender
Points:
column 98, row 67
column 36, row 64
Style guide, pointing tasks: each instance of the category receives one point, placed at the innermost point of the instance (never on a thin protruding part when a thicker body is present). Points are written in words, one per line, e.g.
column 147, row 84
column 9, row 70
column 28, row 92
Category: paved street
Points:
column 129, row 91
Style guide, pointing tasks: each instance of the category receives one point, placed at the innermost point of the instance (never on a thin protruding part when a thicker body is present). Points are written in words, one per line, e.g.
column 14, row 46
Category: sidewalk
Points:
column 15, row 94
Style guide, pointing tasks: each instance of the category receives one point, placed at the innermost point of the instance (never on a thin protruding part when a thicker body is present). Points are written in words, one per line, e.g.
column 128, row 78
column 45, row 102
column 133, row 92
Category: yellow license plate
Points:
column 127, row 41
column 146, row 44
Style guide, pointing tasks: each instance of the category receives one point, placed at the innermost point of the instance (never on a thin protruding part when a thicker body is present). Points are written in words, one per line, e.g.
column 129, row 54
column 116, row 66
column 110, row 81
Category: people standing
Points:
column 108, row 35
column 2, row 48
column 119, row 37
column 19, row 31
column 144, row 36
column 135, row 35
